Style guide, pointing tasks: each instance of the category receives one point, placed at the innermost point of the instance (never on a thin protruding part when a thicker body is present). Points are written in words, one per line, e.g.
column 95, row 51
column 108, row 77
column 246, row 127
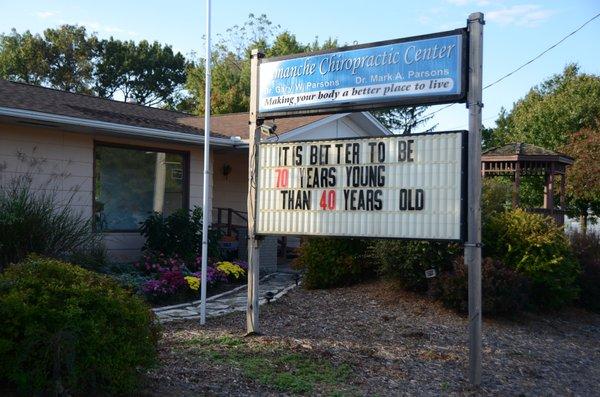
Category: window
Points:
column 131, row 183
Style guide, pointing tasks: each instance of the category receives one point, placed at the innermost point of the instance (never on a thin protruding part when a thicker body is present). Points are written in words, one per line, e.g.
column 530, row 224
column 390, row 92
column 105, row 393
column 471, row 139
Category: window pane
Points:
column 131, row 183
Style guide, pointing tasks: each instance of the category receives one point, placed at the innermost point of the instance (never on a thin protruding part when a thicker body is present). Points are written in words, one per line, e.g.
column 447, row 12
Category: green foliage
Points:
column 407, row 261
column 70, row 59
column 91, row 256
column 69, row 53
column 537, row 248
column 23, row 57
column 496, row 195
column 38, row 222
column 230, row 80
column 552, row 111
column 68, row 331
column 127, row 276
column 333, row 262
column 403, row 120
column 583, row 184
column 178, row 235
column 550, row 115
column 149, row 73
column 62, row 58
column 504, row 290
column 586, row 248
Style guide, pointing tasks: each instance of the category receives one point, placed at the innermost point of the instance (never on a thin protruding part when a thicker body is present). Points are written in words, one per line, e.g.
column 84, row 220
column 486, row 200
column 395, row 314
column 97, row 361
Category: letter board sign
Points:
column 402, row 186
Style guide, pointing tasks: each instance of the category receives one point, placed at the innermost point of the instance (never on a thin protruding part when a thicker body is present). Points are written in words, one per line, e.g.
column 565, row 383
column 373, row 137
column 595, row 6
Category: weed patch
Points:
column 272, row 365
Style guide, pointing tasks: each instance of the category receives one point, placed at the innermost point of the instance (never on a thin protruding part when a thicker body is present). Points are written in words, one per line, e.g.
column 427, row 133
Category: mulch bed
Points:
column 395, row 343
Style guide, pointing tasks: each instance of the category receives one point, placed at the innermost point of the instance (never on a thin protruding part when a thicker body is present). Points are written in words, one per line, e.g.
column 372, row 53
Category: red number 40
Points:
column 328, row 200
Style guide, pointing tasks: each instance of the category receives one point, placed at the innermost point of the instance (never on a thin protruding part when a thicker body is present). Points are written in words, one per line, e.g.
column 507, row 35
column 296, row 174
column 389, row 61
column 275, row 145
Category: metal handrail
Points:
column 230, row 213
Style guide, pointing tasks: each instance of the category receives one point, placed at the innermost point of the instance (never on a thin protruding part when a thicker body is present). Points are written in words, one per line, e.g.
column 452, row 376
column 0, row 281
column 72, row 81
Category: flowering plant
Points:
column 156, row 288
column 231, row 269
column 173, row 277
column 168, row 283
column 242, row 264
column 193, row 282
column 157, row 263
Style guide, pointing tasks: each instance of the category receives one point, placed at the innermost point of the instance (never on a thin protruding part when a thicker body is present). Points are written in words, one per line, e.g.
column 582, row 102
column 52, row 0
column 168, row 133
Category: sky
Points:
column 515, row 31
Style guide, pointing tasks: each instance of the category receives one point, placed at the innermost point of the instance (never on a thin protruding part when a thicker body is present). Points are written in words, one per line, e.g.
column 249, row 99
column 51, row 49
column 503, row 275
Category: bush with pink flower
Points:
column 174, row 282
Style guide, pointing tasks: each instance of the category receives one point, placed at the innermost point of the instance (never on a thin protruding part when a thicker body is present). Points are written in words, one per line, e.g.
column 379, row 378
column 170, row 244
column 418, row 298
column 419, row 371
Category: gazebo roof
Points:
column 525, row 152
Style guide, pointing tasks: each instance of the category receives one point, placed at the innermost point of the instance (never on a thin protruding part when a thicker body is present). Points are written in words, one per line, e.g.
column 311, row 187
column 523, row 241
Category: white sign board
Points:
column 388, row 187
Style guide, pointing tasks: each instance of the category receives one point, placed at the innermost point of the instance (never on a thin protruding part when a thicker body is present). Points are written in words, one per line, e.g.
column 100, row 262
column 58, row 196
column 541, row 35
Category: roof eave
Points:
column 114, row 128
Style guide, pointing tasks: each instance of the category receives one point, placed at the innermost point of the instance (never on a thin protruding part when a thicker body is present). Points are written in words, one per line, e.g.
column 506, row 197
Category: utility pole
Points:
column 473, row 245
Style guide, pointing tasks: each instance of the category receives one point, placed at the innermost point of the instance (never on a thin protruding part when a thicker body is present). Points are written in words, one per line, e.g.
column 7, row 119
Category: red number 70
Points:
column 282, row 177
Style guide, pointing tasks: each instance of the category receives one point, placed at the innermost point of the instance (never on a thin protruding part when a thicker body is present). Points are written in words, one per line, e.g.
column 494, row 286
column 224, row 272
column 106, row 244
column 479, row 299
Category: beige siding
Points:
column 231, row 191
column 63, row 161
column 57, row 161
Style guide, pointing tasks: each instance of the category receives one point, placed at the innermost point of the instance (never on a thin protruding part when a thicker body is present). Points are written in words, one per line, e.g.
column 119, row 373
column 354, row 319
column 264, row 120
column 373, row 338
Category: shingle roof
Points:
column 47, row 100
column 236, row 124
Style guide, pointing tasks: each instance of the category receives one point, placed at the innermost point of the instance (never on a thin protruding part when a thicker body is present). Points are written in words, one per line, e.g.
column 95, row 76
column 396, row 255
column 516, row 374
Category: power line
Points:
column 543, row 52
column 528, row 62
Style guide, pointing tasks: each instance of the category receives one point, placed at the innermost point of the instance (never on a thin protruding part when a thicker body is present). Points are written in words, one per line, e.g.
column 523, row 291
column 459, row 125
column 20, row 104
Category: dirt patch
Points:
column 372, row 339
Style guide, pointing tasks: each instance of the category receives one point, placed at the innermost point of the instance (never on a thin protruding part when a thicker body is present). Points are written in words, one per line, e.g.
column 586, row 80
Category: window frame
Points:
column 186, row 177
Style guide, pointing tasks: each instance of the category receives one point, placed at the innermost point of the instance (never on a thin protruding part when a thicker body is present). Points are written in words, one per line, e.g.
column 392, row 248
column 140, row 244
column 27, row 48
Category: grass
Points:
column 272, row 365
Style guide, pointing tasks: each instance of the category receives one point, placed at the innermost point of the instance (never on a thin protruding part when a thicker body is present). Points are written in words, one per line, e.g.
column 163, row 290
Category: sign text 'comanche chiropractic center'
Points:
column 415, row 71
column 394, row 186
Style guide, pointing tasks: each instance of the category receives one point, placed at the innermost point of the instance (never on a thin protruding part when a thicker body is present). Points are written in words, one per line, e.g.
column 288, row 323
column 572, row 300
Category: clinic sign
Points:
column 396, row 186
column 415, row 187
column 420, row 70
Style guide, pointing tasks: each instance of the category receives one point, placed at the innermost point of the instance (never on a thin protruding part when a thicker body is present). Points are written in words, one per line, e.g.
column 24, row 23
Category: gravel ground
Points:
column 395, row 343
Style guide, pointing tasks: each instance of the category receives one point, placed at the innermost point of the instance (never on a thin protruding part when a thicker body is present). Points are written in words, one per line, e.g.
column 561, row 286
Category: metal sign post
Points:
column 206, row 202
column 252, row 326
column 473, row 244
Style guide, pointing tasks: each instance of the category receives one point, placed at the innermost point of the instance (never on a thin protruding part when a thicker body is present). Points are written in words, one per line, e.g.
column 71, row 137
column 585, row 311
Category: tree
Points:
column 70, row 59
column 230, row 68
column 286, row 44
column 150, row 74
column 583, row 183
column 403, row 120
column 230, row 64
column 493, row 137
column 61, row 59
column 230, row 85
column 551, row 115
column 70, row 53
column 552, row 111
column 23, row 58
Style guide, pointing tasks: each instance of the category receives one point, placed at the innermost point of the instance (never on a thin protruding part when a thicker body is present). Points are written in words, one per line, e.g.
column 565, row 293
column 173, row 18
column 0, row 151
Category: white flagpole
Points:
column 206, row 204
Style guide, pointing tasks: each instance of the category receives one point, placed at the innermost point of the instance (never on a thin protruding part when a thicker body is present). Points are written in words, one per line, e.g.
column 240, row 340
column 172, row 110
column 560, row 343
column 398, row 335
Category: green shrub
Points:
column 536, row 247
column 91, row 256
column 586, row 248
column 333, row 262
column 496, row 195
column 179, row 235
column 407, row 261
column 504, row 290
column 38, row 222
column 65, row 330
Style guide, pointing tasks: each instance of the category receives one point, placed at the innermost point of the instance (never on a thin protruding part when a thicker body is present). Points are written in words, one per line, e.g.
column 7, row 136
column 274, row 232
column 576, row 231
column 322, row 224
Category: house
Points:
column 119, row 161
